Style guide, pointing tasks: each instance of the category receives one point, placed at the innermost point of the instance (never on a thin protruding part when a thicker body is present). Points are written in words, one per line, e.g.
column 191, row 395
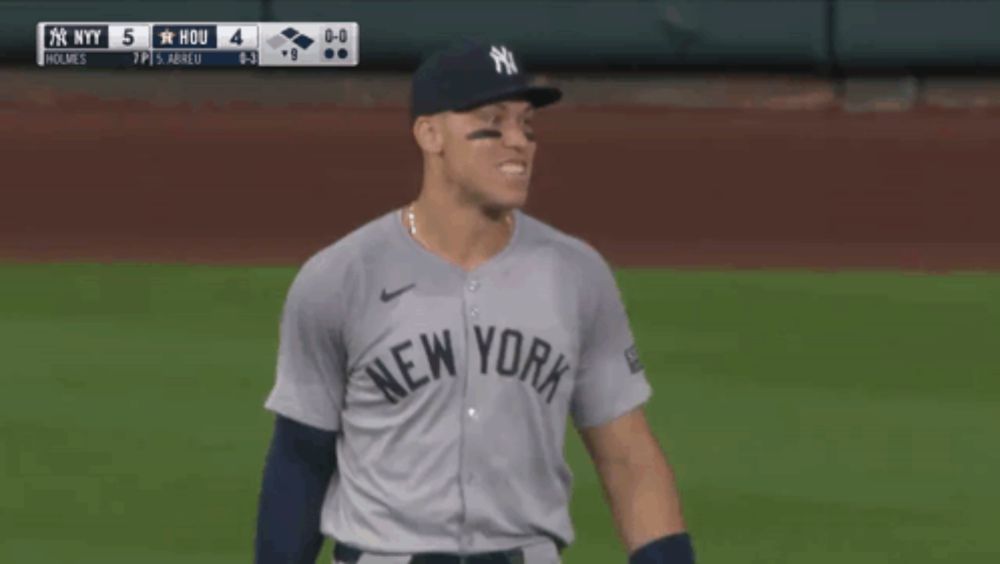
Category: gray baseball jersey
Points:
column 451, row 389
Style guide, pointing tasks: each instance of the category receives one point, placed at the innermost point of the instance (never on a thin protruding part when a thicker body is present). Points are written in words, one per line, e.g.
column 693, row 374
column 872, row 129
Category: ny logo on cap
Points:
column 503, row 58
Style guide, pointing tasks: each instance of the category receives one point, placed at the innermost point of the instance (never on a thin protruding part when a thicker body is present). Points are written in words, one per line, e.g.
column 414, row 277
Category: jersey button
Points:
column 474, row 312
column 473, row 285
column 473, row 414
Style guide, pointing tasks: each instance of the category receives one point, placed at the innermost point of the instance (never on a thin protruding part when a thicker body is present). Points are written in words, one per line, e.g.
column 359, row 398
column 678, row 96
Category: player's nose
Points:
column 515, row 137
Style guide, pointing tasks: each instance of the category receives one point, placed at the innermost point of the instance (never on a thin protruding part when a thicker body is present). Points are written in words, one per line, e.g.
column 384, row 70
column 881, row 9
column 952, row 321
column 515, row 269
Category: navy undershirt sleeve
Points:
column 671, row 549
column 299, row 464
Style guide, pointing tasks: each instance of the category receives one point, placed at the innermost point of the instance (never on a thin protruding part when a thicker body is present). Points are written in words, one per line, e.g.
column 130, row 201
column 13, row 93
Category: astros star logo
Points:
column 167, row 37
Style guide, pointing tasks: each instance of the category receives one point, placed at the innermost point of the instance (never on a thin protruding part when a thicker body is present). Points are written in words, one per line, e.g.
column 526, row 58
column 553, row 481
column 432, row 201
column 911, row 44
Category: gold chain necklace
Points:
column 413, row 221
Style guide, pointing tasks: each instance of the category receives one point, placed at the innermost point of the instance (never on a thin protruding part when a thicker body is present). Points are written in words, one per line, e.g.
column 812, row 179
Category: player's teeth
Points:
column 512, row 168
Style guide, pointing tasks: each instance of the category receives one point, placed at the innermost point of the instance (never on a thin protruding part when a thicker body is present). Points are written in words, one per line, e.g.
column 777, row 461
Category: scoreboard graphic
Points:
column 197, row 44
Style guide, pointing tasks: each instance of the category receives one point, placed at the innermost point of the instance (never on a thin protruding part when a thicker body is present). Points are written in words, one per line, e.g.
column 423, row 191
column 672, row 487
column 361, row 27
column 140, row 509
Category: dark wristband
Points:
column 671, row 549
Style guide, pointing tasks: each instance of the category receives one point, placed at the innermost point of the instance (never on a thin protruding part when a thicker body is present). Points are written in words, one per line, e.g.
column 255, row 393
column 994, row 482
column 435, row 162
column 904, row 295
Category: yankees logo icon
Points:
column 502, row 57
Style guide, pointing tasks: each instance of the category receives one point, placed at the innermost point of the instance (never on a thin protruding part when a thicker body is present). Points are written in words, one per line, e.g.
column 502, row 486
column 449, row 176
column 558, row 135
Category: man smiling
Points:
column 430, row 360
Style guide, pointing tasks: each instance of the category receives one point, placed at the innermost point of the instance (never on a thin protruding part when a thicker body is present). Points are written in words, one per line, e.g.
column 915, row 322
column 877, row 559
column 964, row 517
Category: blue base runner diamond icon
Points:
column 290, row 34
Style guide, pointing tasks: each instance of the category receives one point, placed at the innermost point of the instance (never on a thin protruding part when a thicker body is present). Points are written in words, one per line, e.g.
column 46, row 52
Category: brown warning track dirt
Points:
column 650, row 186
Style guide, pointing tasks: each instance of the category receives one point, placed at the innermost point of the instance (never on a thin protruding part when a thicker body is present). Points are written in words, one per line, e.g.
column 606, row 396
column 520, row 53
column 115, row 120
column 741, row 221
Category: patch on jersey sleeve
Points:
column 632, row 357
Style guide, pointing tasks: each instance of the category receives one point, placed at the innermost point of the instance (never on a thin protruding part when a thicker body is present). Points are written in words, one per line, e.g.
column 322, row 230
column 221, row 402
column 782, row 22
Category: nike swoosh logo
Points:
column 389, row 296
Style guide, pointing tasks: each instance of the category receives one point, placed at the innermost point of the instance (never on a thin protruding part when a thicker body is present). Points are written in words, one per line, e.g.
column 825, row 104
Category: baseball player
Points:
column 430, row 360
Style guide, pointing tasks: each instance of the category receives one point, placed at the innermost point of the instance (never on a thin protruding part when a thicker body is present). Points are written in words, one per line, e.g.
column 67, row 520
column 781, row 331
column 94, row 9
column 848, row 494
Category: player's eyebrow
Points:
column 504, row 111
column 489, row 112
column 509, row 108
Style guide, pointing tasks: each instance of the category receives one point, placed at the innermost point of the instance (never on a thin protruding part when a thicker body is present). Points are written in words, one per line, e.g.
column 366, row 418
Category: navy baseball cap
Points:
column 470, row 73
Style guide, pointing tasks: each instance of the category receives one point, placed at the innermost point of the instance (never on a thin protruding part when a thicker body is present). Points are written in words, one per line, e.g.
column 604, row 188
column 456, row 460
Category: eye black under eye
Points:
column 484, row 134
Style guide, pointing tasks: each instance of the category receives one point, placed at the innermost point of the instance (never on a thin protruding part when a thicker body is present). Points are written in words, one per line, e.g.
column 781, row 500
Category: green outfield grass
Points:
column 812, row 418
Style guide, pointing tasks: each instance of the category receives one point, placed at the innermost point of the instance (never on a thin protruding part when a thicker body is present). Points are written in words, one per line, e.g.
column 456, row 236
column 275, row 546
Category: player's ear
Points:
column 428, row 134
